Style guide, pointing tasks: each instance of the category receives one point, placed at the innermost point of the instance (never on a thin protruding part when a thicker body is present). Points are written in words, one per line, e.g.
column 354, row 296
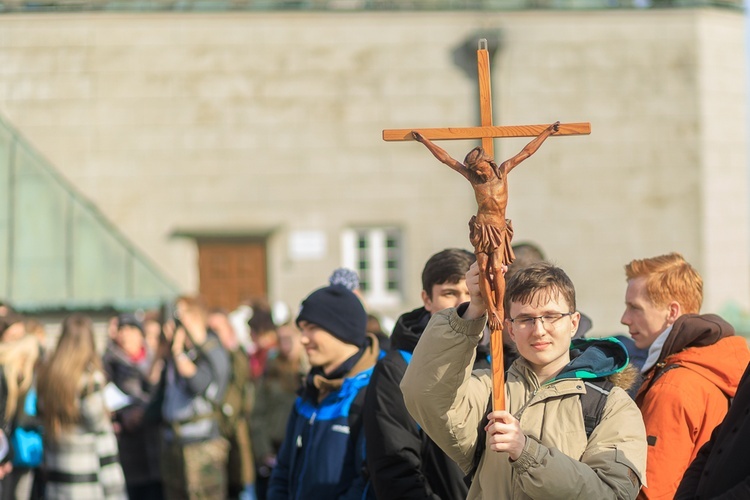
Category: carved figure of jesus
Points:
column 489, row 231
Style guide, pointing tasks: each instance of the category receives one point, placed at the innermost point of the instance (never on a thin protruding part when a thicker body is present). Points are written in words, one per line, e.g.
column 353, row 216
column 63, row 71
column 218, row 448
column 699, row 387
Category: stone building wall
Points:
column 270, row 123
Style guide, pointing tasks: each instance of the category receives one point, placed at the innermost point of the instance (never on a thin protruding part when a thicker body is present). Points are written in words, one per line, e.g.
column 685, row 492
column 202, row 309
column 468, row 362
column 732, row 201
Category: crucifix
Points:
column 489, row 232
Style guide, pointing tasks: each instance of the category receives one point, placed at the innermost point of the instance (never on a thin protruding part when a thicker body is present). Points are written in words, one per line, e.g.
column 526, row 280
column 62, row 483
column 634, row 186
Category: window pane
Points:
column 378, row 261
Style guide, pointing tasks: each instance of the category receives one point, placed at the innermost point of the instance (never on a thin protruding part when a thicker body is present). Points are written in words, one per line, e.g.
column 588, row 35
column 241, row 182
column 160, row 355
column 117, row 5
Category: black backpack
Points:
column 592, row 406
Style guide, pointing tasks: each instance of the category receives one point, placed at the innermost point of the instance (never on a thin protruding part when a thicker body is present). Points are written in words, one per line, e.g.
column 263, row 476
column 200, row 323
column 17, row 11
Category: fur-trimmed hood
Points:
column 598, row 358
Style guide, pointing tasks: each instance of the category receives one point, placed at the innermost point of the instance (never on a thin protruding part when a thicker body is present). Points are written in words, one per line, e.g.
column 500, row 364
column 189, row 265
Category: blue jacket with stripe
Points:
column 323, row 453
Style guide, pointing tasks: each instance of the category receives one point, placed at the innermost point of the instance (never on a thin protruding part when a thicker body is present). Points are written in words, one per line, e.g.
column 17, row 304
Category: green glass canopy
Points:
column 57, row 250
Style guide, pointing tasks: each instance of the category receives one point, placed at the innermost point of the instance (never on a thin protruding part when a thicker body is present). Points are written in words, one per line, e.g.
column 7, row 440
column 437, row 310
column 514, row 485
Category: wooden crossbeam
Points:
column 463, row 133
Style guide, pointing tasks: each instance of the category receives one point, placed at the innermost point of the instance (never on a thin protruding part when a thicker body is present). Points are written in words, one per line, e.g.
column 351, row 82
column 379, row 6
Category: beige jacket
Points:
column 449, row 401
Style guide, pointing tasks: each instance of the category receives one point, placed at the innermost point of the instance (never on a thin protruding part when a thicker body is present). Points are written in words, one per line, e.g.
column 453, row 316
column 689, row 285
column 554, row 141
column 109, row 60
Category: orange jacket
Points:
column 682, row 407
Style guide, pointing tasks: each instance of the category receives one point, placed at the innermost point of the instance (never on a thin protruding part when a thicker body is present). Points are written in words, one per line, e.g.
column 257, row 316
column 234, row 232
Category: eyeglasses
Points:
column 524, row 323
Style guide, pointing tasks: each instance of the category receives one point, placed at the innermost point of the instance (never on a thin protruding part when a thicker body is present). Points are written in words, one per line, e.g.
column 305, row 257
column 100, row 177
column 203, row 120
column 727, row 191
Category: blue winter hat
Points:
column 338, row 311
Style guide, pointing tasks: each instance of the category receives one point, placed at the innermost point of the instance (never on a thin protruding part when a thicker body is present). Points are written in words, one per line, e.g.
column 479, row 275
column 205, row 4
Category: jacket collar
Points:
column 409, row 328
column 367, row 360
column 694, row 330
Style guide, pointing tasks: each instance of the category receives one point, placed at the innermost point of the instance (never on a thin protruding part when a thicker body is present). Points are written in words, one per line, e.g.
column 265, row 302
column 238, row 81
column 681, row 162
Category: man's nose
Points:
column 625, row 319
column 539, row 326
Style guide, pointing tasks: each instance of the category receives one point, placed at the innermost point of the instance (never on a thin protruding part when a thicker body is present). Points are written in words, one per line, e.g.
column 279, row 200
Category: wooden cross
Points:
column 486, row 132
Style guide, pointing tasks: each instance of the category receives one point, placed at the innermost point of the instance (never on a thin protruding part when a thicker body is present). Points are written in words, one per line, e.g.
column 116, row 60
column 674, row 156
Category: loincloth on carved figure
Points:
column 488, row 238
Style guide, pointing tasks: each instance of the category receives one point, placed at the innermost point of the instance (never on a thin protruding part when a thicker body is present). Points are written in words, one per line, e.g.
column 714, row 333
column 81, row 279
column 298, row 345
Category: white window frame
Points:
column 377, row 293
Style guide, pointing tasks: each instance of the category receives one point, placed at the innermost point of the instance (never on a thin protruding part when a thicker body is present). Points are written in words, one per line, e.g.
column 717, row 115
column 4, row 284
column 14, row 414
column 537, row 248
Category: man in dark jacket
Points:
column 322, row 453
column 720, row 470
column 401, row 460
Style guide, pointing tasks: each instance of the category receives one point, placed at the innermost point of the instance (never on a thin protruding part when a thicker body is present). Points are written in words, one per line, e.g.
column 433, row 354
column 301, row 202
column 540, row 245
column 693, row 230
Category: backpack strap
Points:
column 593, row 401
column 661, row 373
column 665, row 370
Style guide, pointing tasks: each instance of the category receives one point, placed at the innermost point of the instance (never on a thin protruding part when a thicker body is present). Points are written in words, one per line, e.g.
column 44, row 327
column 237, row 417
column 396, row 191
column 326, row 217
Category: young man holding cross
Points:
column 489, row 231
column 543, row 446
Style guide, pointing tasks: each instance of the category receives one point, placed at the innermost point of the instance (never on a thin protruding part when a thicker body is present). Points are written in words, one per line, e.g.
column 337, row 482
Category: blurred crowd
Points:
column 181, row 402
column 189, row 402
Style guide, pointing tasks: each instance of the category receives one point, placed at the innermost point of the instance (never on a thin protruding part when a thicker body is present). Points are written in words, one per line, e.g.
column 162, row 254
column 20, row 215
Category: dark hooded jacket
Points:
column 720, row 470
column 322, row 455
column 402, row 461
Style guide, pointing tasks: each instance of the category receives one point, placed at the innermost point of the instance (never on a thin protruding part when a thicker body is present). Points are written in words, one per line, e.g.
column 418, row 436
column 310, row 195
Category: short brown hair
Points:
column 669, row 278
column 539, row 278
column 447, row 266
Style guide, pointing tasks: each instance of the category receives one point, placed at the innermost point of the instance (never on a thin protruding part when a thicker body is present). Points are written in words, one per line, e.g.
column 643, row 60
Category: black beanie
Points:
column 338, row 311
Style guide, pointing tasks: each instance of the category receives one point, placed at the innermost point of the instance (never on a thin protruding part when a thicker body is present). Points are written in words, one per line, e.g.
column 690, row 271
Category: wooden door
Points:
column 231, row 271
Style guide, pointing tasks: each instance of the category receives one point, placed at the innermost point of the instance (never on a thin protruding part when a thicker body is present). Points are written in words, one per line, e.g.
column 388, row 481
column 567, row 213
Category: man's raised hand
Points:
column 477, row 305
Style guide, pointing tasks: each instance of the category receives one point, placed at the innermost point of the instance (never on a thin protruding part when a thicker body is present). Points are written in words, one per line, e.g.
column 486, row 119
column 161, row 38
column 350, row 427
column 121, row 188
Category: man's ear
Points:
column 509, row 329
column 575, row 321
column 674, row 311
column 426, row 301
